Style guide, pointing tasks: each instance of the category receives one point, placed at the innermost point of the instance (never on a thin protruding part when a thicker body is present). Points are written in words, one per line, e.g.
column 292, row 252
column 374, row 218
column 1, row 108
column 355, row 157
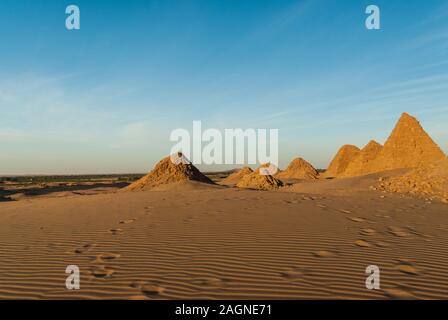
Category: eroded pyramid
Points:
column 361, row 164
column 298, row 169
column 235, row 177
column 257, row 181
column 408, row 146
column 340, row 162
column 172, row 169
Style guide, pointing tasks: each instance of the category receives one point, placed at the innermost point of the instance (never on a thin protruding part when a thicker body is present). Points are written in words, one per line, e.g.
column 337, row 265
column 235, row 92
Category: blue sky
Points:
column 105, row 98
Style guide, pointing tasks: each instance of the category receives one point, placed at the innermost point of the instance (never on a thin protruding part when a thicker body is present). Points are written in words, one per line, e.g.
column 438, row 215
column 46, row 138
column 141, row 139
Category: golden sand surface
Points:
column 311, row 240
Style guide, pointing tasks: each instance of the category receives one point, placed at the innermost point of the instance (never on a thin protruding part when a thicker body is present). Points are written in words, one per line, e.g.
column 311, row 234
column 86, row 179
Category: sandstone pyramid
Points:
column 235, row 177
column 169, row 170
column 408, row 146
column 361, row 164
column 298, row 169
column 430, row 181
column 340, row 162
column 255, row 180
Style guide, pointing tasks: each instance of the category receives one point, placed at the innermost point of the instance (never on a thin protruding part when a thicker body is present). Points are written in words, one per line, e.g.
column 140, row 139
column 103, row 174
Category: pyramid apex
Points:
column 371, row 144
column 349, row 147
column 407, row 117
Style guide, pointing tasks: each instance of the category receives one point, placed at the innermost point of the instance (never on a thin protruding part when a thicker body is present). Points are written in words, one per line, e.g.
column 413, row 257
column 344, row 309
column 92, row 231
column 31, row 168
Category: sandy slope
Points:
column 343, row 186
column 223, row 243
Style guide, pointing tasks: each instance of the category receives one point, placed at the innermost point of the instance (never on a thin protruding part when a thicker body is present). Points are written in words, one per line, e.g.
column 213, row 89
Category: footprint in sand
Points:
column 188, row 219
column 149, row 289
column 408, row 267
column 137, row 284
column 356, row 219
column 418, row 233
column 85, row 248
column 128, row 221
column 382, row 216
column 362, row 243
column 308, row 198
column 152, row 290
column 398, row 232
column 101, row 271
column 367, row 232
column 106, row 256
column 293, row 273
column 399, row 294
column 324, row 254
column 115, row 231
column 210, row 282
column 382, row 244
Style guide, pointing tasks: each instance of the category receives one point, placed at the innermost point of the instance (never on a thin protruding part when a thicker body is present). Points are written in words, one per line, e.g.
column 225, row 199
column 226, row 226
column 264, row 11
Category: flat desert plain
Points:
column 311, row 240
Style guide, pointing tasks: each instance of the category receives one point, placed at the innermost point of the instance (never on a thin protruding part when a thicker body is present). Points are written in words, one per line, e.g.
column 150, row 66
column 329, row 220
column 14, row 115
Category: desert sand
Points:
column 222, row 243
column 177, row 233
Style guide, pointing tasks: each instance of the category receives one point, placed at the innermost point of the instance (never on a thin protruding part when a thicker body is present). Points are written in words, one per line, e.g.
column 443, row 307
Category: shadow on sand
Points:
column 4, row 194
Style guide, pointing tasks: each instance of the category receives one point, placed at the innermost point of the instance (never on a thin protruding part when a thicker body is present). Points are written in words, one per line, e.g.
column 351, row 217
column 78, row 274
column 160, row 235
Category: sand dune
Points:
column 344, row 186
column 224, row 243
